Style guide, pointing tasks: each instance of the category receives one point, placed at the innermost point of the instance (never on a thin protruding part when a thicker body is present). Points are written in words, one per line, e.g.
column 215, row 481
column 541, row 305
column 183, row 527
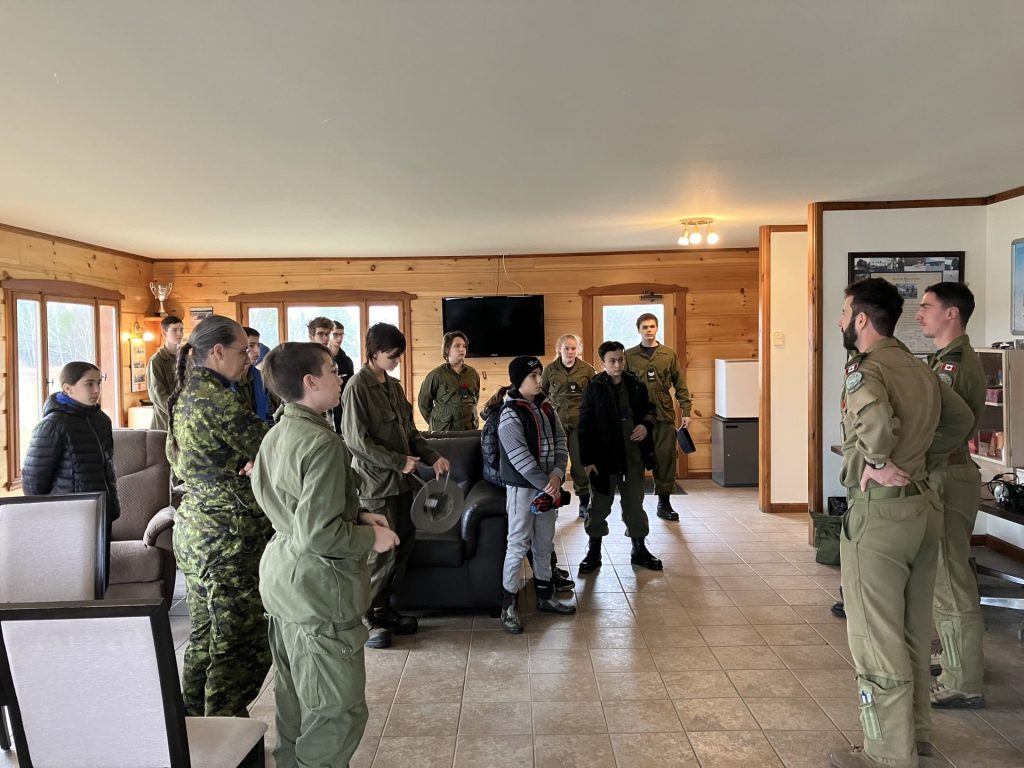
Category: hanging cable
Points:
column 507, row 277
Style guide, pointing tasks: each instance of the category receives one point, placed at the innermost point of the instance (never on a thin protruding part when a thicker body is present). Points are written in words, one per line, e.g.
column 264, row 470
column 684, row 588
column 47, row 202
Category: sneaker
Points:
column 398, row 623
column 510, row 620
column 560, row 573
column 936, row 664
column 380, row 637
column 562, row 583
column 950, row 698
column 838, row 609
column 551, row 605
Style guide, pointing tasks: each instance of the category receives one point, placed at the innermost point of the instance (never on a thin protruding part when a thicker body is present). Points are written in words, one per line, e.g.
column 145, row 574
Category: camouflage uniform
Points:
column 315, row 586
column 376, row 422
column 219, row 536
column 957, row 605
column 161, row 385
column 660, row 372
column 564, row 388
column 447, row 399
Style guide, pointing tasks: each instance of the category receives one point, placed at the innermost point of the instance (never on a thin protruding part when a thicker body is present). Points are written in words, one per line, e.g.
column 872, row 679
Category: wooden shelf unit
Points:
column 999, row 439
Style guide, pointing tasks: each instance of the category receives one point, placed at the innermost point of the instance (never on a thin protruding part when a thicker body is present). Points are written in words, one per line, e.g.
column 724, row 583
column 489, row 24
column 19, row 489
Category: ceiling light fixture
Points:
column 692, row 231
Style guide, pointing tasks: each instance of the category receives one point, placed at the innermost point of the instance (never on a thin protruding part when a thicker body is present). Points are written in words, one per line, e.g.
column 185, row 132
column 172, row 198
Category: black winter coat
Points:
column 72, row 451
column 601, row 440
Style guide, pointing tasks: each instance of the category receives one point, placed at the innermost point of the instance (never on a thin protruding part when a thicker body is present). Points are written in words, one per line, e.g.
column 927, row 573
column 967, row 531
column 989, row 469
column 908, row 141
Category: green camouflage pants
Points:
column 956, row 610
column 664, row 457
column 580, row 481
column 888, row 547
column 227, row 657
column 319, row 693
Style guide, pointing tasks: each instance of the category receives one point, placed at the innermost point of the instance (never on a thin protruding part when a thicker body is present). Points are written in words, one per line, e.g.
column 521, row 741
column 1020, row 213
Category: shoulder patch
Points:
column 852, row 367
column 945, row 378
column 949, row 367
column 854, row 381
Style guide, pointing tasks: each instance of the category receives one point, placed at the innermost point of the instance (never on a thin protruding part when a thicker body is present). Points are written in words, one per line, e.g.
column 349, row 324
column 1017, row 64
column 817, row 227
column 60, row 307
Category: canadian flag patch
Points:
column 951, row 367
column 852, row 367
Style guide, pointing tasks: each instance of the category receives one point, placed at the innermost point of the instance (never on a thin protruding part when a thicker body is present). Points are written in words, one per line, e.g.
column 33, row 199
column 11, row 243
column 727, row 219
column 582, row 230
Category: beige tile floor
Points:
column 729, row 657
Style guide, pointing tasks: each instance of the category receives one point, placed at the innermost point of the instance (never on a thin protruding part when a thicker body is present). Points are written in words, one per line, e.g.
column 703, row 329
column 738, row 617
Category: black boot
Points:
column 560, row 577
column 665, row 511
column 509, row 613
column 592, row 560
column 839, row 607
column 584, row 504
column 642, row 557
column 546, row 599
column 398, row 623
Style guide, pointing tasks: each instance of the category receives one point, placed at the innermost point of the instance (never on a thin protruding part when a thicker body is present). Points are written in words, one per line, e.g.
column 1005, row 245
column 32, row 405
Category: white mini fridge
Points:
column 734, row 458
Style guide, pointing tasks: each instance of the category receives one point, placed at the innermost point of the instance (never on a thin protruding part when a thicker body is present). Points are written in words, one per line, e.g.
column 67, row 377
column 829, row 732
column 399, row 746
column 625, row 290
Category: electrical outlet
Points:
column 778, row 339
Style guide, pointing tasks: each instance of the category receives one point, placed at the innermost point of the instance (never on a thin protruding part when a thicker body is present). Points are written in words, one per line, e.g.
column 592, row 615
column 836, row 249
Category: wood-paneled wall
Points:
column 37, row 257
column 721, row 307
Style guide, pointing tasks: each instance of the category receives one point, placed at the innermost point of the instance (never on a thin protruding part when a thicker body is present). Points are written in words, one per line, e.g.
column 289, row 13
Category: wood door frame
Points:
column 679, row 309
column 764, row 359
column 815, row 266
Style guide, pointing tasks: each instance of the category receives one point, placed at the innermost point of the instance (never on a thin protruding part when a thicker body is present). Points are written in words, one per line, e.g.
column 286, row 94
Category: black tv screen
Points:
column 497, row 326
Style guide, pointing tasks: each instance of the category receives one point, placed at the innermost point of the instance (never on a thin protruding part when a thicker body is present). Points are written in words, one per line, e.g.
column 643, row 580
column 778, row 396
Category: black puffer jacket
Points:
column 72, row 451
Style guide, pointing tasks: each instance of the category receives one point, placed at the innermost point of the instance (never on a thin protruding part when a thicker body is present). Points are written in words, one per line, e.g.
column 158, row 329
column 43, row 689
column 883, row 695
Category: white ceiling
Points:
column 280, row 129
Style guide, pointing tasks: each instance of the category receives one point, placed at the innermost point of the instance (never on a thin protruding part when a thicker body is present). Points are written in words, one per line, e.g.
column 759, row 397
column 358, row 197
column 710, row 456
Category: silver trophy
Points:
column 161, row 291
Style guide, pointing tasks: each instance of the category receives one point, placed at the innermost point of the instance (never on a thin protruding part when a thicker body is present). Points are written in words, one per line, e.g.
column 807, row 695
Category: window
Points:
column 284, row 317
column 54, row 322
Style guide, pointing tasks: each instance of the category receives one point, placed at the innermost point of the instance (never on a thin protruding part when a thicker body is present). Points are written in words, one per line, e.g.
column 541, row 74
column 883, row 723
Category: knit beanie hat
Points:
column 520, row 368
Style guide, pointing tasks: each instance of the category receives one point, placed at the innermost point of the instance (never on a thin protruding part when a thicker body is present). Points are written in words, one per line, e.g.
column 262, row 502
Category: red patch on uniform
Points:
column 951, row 367
column 852, row 367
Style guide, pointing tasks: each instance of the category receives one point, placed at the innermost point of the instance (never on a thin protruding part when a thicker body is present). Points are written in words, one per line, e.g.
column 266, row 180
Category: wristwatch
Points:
column 878, row 465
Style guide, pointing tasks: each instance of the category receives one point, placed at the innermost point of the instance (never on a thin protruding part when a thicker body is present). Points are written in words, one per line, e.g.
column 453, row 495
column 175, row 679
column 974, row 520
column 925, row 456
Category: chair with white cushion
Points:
column 96, row 686
column 51, row 548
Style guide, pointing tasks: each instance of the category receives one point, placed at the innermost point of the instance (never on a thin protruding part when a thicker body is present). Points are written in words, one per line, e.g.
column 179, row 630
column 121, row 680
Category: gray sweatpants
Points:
column 527, row 531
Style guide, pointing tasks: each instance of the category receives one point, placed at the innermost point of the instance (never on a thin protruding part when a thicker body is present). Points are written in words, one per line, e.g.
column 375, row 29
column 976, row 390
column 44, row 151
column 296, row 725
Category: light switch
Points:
column 779, row 339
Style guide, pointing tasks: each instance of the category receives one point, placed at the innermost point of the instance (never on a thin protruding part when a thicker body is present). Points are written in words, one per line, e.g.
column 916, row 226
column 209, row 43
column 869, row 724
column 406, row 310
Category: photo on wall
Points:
column 911, row 273
column 1017, row 281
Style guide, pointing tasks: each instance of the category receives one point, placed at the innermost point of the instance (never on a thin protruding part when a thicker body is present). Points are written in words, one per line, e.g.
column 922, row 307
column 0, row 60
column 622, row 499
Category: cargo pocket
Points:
column 329, row 653
column 868, row 713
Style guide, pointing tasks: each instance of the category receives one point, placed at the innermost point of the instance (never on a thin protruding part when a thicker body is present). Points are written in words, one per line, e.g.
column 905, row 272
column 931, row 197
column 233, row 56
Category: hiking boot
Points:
column 592, row 560
column 854, row 757
column 584, row 504
column 380, row 637
column 950, row 698
column 551, row 605
column 389, row 618
column 510, row 620
column 642, row 557
column 936, row 665
column 546, row 599
column 665, row 511
column 560, row 582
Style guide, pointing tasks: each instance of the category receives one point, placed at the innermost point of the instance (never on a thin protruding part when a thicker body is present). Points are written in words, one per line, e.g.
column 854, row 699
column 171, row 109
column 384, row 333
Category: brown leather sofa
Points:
column 141, row 558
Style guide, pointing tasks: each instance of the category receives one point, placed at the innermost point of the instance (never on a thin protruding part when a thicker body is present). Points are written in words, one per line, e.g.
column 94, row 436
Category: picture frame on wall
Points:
column 1017, row 285
column 195, row 314
column 137, row 356
column 911, row 272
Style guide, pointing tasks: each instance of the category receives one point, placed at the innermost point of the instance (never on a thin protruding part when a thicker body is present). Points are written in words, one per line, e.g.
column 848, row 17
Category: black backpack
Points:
column 490, row 448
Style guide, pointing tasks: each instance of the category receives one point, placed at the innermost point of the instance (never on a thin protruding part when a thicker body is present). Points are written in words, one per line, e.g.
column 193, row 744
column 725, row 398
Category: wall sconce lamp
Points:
column 692, row 231
column 136, row 332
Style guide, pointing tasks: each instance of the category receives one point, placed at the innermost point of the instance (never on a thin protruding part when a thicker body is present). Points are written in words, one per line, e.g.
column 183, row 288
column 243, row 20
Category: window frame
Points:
column 281, row 300
column 44, row 291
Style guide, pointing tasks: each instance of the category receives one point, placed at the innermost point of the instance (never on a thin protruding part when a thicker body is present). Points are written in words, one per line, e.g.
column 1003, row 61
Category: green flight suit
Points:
column 564, row 388
column 661, row 374
column 315, row 586
column 378, row 428
column 161, row 380
column 956, row 610
column 219, row 536
column 448, row 400
column 893, row 410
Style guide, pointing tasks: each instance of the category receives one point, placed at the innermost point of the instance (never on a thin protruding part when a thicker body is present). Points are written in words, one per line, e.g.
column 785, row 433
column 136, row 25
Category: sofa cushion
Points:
column 443, row 550
column 132, row 561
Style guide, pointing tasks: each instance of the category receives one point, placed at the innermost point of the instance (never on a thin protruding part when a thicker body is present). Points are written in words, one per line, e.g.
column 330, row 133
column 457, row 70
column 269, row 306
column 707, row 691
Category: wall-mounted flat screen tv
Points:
column 497, row 326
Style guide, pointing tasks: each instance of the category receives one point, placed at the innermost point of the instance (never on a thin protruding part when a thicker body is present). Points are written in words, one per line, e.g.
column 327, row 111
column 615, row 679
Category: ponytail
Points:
column 179, row 382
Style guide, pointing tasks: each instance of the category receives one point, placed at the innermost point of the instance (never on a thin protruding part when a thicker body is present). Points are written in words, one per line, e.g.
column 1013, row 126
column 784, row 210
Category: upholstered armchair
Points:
column 141, row 558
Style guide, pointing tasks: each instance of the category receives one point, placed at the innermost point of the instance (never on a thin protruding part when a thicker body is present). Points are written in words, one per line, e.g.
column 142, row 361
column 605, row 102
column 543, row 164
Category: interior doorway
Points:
column 610, row 313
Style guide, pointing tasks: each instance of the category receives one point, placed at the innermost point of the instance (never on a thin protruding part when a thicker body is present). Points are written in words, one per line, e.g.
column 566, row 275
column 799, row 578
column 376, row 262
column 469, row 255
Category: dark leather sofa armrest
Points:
column 158, row 532
column 483, row 501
